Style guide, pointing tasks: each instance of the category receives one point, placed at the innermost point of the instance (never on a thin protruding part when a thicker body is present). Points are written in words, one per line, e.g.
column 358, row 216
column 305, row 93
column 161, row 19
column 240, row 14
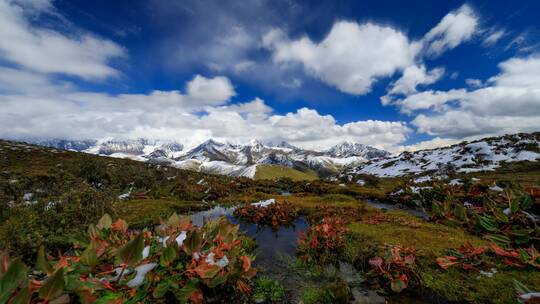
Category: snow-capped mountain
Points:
column 74, row 145
column 216, row 157
column 349, row 149
column 481, row 155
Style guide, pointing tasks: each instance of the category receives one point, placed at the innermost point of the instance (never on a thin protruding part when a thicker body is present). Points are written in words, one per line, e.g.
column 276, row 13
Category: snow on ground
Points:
column 265, row 203
column 249, row 171
column 483, row 155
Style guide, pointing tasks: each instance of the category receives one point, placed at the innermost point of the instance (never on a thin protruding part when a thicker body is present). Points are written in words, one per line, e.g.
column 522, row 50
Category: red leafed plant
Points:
column 469, row 257
column 322, row 243
column 274, row 215
column 116, row 265
column 518, row 258
column 396, row 267
column 466, row 257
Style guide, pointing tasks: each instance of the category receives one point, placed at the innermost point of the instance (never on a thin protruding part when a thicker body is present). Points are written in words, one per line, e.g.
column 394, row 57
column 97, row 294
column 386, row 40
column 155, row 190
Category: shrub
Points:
column 396, row 268
column 274, row 215
column 268, row 290
column 116, row 265
column 322, row 243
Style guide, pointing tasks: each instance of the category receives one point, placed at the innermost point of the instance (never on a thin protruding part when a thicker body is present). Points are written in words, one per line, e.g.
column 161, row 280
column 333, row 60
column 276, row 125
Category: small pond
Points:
column 270, row 243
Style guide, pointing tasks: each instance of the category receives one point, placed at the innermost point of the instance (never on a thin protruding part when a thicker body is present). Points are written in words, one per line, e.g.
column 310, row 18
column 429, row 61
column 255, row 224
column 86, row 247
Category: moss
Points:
column 275, row 172
column 460, row 285
column 431, row 239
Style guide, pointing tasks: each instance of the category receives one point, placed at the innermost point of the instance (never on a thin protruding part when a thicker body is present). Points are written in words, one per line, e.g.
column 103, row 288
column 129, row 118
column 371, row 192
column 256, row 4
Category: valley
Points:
column 396, row 228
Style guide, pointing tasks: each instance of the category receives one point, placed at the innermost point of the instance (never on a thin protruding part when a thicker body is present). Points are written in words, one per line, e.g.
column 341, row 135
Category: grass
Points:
column 275, row 172
column 524, row 173
column 432, row 239
column 144, row 212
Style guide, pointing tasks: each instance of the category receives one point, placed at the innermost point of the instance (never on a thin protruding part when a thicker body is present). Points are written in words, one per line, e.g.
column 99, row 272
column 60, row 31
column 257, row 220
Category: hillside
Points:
column 275, row 172
column 481, row 155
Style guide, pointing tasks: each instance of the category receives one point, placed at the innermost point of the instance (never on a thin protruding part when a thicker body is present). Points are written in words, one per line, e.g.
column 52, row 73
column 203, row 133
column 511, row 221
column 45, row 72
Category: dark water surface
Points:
column 270, row 243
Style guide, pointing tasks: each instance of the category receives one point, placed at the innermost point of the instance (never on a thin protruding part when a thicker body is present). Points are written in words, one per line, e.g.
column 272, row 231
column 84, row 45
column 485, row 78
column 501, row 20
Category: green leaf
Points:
column 131, row 253
column 523, row 239
column 162, row 288
column 217, row 280
column 527, row 202
column 105, row 222
column 185, row 292
column 193, row 241
column 42, row 263
column 460, row 212
column 398, row 285
column 436, row 209
column 499, row 239
column 488, row 223
column 514, row 206
column 15, row 277
column 89, row 256
column 53, row 286
column 168, row 255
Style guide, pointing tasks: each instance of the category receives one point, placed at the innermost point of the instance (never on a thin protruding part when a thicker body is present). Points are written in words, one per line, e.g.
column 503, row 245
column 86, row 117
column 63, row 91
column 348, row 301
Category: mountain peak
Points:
column 350, row 148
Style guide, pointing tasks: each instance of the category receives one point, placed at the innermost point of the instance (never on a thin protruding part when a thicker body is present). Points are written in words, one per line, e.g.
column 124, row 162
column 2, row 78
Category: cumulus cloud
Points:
column 414, row 76
column 509, row 102
column 434, row 100
column 351, row 57
column 214, row 90
column 48, row 51
column 203, row 111
column 456, row 27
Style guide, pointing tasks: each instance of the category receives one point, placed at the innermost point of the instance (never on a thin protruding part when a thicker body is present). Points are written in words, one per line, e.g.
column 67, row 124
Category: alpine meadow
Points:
column 286, row 151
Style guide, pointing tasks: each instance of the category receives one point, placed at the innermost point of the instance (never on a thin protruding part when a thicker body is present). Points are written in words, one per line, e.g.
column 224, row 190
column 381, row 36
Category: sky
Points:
column 398, row 75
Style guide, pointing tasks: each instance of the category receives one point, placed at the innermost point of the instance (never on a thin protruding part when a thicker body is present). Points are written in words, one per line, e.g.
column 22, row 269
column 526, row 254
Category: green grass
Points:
column 432, row 239
column 275, row 172
column 144, row 212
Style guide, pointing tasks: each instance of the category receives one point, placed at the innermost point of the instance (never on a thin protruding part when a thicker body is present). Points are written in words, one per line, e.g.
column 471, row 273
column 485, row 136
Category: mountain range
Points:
column 346, row 158
column 226, row 158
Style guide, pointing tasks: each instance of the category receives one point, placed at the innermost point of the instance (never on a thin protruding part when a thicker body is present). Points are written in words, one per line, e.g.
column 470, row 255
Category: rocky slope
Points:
column 481, row 155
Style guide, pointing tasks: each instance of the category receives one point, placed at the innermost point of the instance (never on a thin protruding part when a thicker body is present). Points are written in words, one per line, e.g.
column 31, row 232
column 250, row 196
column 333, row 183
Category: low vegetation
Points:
column 477, row 243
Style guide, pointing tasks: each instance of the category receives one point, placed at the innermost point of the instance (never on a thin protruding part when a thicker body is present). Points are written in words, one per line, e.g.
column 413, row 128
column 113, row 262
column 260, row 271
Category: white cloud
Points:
column 508, row 103
column 48, row 51
column 474, row 83
column 456, row 27
column 211, row 90
column 190, row 117
column 493, row 37
column 435, row 100
column 351, row 57
column 414, row 76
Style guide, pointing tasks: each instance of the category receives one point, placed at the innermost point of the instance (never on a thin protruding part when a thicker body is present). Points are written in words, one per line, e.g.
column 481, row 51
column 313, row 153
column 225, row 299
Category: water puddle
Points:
column 270, row 243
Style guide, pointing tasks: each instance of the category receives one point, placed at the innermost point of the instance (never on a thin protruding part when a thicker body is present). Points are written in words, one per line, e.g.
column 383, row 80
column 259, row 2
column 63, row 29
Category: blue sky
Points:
column 394, row 74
